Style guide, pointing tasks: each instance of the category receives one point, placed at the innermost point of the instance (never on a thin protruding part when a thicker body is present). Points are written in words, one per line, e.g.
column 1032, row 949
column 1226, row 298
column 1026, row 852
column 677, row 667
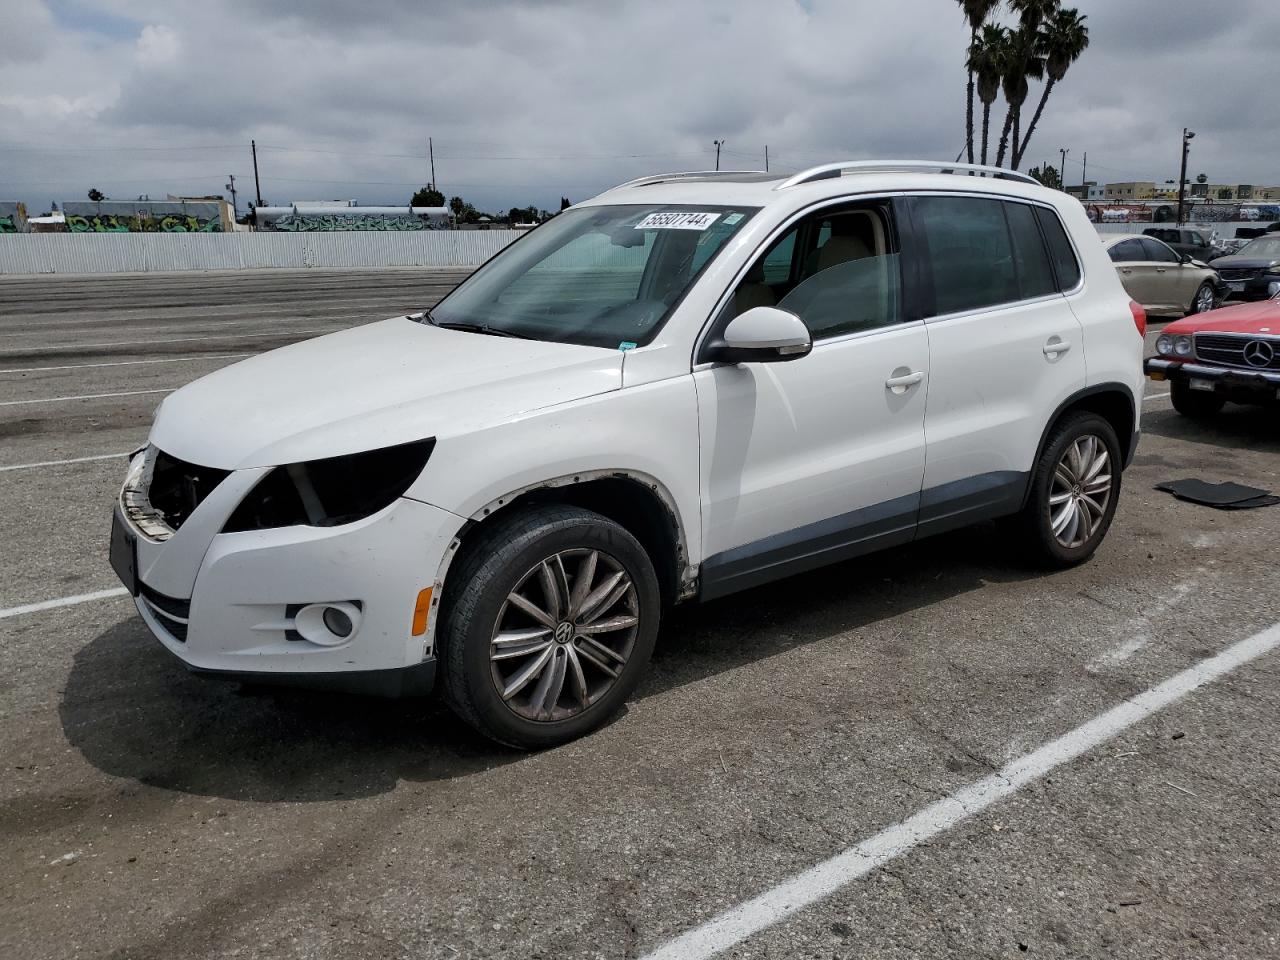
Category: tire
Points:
column 516, row 556
column 1046, row 544
column 1196, row 404
column 1204, row 300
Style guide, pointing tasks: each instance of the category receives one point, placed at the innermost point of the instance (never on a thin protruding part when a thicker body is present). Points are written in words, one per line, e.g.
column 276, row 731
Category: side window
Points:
column 848, row 281
column 1157, row 251
column 1065, row 264
column 1030, row 258
column 1196, row 238
column 969, row 251
column 1127, row 251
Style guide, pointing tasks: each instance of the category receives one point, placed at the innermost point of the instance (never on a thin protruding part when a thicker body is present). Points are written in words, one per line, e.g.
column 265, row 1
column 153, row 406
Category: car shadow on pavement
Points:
column 134, row 712
column 1236, row 427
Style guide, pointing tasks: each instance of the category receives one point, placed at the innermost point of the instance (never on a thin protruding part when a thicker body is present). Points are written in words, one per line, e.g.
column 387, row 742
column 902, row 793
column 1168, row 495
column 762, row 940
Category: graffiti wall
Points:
column 143, row 216
column 13, row 217
column 301, row 218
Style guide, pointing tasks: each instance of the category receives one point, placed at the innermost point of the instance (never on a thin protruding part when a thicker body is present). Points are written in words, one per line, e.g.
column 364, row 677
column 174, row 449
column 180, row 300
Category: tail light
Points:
column 1139, row 317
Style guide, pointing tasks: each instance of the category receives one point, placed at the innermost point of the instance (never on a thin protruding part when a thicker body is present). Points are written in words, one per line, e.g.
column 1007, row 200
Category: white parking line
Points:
column 820, row 881
column 86, row 396
column 62, row 602
column 1155, row 396
column 129, row 343
column 59, row 463
column 126, row 363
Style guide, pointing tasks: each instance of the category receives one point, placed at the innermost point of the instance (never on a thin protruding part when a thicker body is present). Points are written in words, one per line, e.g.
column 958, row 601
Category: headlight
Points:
column 325, row 493
column 1182, row 346
column 1164, row 345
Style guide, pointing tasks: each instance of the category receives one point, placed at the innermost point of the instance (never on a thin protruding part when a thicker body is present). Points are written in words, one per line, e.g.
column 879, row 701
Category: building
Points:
column 1131, row 190
column 1087, row 191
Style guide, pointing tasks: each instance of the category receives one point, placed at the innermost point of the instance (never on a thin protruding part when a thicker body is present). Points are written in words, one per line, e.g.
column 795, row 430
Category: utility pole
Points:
column 1084, row 178
column 719, row 144
column 766, row 158
column 431, row 152
column 1062, row 170
column 1187, row 137
column 232, row 187
column 257, row 187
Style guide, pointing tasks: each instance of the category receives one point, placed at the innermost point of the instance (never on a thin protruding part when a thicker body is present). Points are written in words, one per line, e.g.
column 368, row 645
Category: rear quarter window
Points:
column 1065, row 265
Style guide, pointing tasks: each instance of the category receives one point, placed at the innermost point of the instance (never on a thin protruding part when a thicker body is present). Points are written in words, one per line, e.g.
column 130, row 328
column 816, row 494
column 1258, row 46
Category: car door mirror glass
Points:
column 761, row 335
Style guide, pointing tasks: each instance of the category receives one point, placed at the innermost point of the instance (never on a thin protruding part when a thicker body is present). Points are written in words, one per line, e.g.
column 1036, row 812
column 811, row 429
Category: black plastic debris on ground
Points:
column 1224, row 496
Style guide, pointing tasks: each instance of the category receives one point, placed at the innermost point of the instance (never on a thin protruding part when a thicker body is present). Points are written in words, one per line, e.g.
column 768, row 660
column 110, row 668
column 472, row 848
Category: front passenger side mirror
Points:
column 761, row 335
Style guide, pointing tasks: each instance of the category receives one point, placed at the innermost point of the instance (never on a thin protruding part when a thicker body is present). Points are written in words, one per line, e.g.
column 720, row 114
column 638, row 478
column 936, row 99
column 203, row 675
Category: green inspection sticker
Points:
column 627, row 345
column 732, row 218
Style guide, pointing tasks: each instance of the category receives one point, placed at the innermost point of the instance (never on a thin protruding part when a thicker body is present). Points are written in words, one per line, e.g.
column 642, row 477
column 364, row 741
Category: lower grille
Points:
column 1238, row 350
column 173, row 614
column 1229, row 274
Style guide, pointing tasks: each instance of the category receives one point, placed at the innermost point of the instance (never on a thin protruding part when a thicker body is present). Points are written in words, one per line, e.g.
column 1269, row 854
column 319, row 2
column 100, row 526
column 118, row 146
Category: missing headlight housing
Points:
column 332, row 491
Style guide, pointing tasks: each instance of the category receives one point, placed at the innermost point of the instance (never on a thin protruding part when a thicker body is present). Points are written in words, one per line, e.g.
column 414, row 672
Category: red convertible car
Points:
column 1228, row 354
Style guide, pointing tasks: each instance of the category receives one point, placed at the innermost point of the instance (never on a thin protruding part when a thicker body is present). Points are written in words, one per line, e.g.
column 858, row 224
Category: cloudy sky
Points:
column 530, row 101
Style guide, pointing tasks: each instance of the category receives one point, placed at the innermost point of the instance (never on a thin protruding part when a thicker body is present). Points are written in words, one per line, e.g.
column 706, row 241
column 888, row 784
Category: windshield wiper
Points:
column 472, row 327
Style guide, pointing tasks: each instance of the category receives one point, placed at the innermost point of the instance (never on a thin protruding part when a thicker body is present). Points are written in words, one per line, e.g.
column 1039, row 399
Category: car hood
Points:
column 1260, row 317
column 372, row 386
column 1236, row 262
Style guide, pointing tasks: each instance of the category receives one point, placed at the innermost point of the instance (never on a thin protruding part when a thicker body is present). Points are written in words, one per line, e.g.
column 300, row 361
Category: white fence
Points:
column 158, row 252
column 1225, row 230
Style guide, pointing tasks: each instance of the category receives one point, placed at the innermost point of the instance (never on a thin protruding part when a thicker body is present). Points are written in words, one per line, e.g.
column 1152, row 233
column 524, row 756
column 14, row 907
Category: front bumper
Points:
column 1232, row 382
column 1255, row 288
column 237, row 619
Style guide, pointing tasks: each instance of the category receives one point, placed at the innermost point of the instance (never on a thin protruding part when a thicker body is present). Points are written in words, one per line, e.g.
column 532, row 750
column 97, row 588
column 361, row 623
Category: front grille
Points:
column 177, row 487
column 1229, row 274
column 1233, row 350
column 172, row 613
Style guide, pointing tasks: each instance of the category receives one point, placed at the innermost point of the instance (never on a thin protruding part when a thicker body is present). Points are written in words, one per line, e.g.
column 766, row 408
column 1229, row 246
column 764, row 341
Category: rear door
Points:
column 1137, row 273
column 1005, row 349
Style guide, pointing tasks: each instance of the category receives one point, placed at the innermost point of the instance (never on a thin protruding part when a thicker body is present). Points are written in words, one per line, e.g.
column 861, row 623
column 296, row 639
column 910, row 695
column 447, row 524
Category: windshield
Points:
column 1262, row 247
column 600, row 276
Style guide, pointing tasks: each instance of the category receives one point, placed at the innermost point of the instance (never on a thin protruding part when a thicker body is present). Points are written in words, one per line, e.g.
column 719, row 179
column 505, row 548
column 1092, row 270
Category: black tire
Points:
column 1196, row 404
column 477, row 595
column 1035, row 521
column 1211, row 298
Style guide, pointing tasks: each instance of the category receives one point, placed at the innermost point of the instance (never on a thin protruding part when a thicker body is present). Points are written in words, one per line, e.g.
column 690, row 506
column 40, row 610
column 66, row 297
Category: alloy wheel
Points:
column 1204, row 299
column 564, row 634
column 1080, row 491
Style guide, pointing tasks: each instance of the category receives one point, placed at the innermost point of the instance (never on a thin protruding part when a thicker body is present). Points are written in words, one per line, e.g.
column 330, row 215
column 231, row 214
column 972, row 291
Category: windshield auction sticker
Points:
column 677, row 220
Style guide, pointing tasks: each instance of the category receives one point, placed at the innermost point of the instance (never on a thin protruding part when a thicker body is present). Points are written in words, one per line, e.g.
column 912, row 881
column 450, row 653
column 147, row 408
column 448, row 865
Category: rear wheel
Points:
column 1074, row 491
column 1204, row 299
column 1194, row 403
column 554, row 623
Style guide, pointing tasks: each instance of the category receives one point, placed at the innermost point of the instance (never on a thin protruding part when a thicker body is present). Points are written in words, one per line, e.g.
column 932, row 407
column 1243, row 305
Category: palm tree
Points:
column 1032, row 13
column 1021, row 64
column 986, row 63
column 976, row 13
column 1062, row 39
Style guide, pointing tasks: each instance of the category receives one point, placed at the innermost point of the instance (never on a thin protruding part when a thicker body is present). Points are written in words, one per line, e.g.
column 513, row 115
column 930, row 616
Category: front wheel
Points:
column 1204, row 300
column 1194, row 403
column 555, row 619
column 1075, row 488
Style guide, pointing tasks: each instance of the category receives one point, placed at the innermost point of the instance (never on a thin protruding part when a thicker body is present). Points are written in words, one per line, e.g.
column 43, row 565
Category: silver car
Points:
column 1161, row 279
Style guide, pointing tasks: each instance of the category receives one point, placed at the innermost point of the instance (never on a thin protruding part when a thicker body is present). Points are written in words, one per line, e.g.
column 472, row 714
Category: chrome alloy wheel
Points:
column 564, row 634
column 1204, row 299
column 1080, row 491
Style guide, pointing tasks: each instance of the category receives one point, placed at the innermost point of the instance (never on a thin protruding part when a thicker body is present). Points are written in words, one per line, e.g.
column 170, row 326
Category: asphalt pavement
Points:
column 147, row 813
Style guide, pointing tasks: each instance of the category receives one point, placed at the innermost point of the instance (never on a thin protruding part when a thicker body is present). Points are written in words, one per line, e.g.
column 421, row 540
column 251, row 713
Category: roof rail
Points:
column 686, row 175
column 830, row 170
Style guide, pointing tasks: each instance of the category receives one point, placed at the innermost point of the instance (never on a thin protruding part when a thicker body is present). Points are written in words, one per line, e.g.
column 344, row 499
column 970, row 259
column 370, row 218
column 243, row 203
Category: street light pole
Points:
column 1187, row 136
column 1062, row 170
column 719, row 144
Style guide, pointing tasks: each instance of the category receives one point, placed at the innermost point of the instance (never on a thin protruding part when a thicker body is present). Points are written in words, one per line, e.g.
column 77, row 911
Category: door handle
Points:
column 1055, row 347
column 903, row 383
column 1162, row 269
column 1126, row 270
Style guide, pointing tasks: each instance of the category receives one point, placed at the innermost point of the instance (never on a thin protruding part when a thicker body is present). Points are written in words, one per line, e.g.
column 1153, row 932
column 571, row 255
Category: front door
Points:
column 814, row 460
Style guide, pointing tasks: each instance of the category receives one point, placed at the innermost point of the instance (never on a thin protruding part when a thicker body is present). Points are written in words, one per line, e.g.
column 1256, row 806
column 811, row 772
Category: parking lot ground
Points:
column 148, row 813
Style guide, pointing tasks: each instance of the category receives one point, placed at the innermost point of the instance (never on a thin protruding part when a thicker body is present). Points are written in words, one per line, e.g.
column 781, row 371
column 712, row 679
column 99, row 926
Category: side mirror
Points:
column 1187, row 258
column 761, row 335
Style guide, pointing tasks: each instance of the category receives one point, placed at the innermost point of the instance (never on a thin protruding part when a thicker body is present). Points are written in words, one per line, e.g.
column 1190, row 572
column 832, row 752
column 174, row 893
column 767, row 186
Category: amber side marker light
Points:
column 421, row 611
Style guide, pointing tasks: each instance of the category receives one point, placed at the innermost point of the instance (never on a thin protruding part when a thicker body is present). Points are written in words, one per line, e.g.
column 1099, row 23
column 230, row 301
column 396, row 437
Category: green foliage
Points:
column 1047, row 175
column 427, row 196
column 96, row 195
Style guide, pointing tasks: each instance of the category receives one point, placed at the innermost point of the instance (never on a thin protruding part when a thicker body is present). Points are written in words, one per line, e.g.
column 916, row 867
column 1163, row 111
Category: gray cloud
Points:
column 528, row 101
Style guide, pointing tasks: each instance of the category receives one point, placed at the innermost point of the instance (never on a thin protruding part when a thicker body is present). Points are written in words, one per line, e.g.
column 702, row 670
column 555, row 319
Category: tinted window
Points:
column 969, row 251
column 1065, row 264
column 1127, row 251
column 1197, row 238
column 1030, row 258
column 1158, row 252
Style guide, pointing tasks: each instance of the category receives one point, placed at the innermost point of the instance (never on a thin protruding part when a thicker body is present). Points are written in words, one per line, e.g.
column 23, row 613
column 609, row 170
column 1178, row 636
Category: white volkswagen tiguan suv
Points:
column 690, row 385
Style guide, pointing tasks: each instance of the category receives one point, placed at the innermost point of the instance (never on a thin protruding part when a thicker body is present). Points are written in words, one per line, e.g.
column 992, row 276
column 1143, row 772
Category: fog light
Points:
column 328, row 624
column 337, row 621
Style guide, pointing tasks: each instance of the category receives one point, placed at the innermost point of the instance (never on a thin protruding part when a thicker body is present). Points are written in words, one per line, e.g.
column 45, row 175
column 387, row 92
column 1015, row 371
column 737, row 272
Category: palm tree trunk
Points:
column 1044, row 98
column 1017, row 122
column 1004, row 138
column 986, row 127
column 968, row 117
